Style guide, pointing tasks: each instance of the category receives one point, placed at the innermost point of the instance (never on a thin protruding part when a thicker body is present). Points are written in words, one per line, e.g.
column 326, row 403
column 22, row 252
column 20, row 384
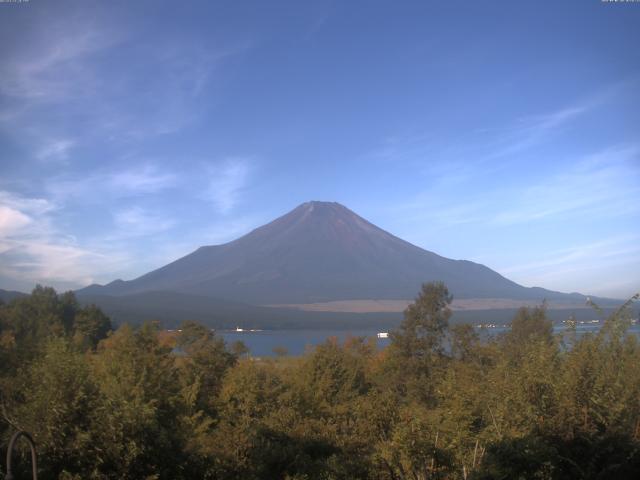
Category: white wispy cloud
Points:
column 459, row 159
column 71, row 86
column 50, row 79
column 226, row 182
column 12, row 221
column 137, row 221
column 36, row 241
column 30, row 205
column 48, row 69
column 615, row 249
column 89, row 79
column 534, row 130
column 615, row 261
column 56, row 149
column 143, row 179
column 32, row 261
column 600, row 184
column 530, row 131
column 33, row 250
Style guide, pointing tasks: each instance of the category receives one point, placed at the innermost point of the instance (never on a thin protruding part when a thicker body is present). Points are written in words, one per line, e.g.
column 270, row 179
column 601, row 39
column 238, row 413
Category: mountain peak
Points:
column 320, row 206
column 321, row 203
column 322, row 221
column 318, row 252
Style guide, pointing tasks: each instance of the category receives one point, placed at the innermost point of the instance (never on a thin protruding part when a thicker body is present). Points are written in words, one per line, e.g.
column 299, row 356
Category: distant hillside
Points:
column 7, row 295
column 171, row 308
column 322, row 252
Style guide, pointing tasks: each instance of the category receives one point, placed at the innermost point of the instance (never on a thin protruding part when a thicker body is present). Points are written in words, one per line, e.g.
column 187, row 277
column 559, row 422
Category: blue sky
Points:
column 507, row 133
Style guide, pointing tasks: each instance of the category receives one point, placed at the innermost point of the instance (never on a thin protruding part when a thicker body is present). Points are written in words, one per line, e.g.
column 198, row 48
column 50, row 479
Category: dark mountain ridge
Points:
column 320, row 252
column 9, row 295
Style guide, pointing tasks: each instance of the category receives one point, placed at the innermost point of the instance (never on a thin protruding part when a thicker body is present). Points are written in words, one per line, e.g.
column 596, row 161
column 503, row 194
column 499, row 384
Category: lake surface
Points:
column 262, row 343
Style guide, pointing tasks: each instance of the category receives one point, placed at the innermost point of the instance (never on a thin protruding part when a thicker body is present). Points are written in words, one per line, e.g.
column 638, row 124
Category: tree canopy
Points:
column 438, row 403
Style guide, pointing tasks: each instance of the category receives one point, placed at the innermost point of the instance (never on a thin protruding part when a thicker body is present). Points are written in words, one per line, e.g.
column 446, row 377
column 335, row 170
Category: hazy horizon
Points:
column 506, row 134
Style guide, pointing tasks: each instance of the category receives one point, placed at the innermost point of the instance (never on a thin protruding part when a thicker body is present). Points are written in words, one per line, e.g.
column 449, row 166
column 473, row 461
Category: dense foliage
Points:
column 138, row 403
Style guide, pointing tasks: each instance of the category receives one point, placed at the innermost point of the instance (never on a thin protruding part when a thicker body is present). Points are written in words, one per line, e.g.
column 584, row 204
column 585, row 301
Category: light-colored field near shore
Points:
column 371, row 306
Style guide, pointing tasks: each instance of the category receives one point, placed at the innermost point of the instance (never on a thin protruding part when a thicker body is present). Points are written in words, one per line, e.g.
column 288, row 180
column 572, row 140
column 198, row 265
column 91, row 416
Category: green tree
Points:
column 530, row 325
column 90, row 325
column 138, row 419
column 413, row 450
column 204, row 362
column 55, row 399
column 425, row 323
column 33, row 319
column 417, row 348
column 239, row 349
column 332, row 375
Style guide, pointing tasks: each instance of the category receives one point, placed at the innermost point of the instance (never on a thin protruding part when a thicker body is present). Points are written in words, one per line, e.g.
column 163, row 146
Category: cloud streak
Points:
column 226, row 183
column 141, row 180
column 532, row 131
column 44, row 72
column 32, row 250
column 91, row 80
column 600, row 184
column 136, row 221
column 57, row 149
column 615, row 249
column 616, row 259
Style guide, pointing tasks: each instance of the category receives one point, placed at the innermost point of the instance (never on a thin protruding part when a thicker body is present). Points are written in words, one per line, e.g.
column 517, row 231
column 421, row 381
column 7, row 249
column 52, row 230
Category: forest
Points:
column 439, row 402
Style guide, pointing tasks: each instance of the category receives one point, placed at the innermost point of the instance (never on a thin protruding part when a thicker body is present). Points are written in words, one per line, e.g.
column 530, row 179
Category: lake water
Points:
column 262, row 343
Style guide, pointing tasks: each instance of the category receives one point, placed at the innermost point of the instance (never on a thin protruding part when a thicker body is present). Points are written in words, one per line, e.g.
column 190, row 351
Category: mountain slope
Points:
column 8, row 295
column 320, row 252
column 172, row 308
